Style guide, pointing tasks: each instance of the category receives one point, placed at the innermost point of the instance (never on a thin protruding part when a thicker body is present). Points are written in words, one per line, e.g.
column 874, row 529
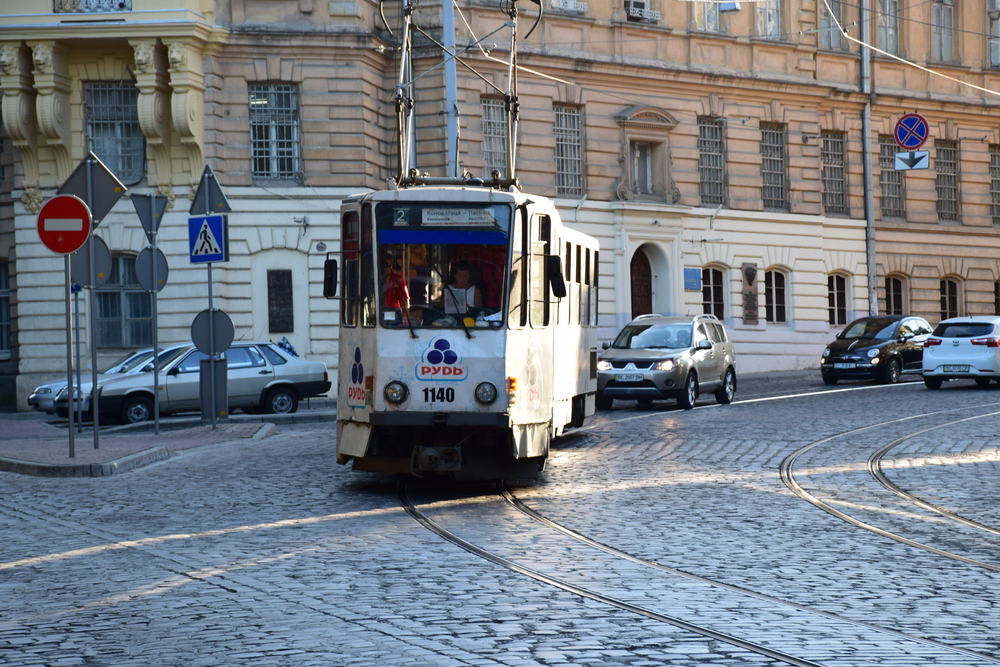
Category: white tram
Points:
column 467, row 330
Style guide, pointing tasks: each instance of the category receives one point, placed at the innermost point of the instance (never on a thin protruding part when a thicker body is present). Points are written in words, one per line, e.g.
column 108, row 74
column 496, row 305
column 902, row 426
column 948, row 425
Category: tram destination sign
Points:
column 458, row 217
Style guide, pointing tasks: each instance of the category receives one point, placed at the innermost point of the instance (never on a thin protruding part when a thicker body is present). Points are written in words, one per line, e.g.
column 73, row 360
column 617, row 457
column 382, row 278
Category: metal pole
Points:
column 156, row 339
column 95, row 408
column 866, row 148
column 79, row 385
column 450, row 84
column 211, row 314
column 69, row 361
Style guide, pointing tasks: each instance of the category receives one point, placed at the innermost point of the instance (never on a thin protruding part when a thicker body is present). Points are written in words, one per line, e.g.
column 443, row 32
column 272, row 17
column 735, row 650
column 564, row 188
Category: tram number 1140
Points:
column 439, row 394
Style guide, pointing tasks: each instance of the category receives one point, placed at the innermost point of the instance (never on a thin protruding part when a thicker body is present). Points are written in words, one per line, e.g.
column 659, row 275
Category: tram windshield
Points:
column 442, row 266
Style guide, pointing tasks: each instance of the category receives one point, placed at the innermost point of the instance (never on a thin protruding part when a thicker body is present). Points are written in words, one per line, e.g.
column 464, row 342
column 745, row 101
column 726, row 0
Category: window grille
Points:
column 5, row 324
column 836, row 296
column 893, row 295
column 949, row 298
column 769, row 19
column 890, row 180
column 830, row 36
column 642, row 167
column 995, row 183
column 113, row 128
column 124, row 309
column 772, row 168
column 706, row 16
column 274, row 132
column 713, row 293
column 280, row 313
column 494, row 136
column 834, row 173
column 946, row 179
column 569, row 150
column 774, row 296
column 888, row 26
column 942, row 30
column 712, row 159
column 993, row 16
column 572, row 6
column 641, row 10
column 88, row 6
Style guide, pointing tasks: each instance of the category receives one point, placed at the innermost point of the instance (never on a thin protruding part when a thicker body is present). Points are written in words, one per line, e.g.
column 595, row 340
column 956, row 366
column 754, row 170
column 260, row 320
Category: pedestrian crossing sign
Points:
column 208, row 238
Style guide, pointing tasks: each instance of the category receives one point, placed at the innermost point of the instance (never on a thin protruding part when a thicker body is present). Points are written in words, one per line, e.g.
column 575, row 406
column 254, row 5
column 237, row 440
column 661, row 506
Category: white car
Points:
column 963, row 348
column 262, row 377
column 43, row 398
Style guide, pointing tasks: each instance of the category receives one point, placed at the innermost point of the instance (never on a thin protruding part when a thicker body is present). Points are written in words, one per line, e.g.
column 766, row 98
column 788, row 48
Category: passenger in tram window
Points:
column 396, row 295
column 419, row 280
column 461, row 294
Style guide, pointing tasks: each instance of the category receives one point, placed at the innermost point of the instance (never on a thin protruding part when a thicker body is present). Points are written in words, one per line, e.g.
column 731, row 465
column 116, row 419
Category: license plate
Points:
column 845, row 364
column 629, row 377
column 956, row 369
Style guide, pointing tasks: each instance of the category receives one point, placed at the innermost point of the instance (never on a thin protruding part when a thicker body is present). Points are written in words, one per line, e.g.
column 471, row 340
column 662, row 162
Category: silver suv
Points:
column 657, row 357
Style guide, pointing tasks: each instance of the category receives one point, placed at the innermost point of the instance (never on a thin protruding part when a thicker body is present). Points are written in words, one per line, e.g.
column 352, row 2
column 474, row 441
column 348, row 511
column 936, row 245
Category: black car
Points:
column 876, row 348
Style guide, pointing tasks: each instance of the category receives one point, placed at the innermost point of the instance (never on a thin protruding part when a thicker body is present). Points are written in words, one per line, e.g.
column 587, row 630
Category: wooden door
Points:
column 642, row 284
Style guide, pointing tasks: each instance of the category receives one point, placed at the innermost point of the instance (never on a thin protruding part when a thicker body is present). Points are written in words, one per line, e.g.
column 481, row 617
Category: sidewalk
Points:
column 29, row 445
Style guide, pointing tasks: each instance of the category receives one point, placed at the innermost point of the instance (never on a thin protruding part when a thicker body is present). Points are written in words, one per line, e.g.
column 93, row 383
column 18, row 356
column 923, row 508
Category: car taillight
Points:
column 988, row 341
column 326, row 376
column 931, row 342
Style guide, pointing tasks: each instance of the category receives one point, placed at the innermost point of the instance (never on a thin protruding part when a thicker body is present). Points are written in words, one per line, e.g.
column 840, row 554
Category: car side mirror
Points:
column 174, row 371
column 330, row 278
column 907, row 336
column 704, row 344
column 605, row 345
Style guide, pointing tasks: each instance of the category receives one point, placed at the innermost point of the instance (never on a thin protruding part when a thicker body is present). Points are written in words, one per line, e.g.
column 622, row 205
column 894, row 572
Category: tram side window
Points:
column 518, row 273
column 580, row 303
column 351, row 280
column 367, row 294
column 594, row 296
column 537, row 275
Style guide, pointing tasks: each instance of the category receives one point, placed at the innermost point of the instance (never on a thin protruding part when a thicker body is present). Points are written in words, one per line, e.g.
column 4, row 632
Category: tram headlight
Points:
column 603, row 365
column 395, row 392
column 486, row 392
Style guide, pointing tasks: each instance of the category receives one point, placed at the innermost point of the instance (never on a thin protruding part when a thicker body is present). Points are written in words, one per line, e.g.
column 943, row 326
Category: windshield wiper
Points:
column 459, row 316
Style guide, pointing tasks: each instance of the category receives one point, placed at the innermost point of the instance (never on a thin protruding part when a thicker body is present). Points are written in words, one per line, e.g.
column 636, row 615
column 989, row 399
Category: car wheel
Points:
column 604, row 402
column 890, row 374
column 830, row 378
column 727, row 391
column 136, row 409
column 983, row 382
column 281, row 401
column 689, row 396
column 933, row 383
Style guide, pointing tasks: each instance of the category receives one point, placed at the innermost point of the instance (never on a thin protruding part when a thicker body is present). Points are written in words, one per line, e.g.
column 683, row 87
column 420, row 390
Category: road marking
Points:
column 62, row 224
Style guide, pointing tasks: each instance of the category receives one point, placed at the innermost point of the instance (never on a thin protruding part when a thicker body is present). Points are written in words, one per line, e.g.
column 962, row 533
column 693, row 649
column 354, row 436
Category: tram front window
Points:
column 442, row 266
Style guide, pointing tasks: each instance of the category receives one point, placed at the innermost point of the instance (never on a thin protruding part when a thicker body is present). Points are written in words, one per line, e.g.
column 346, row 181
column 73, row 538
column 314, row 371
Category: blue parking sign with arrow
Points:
column 208, row 239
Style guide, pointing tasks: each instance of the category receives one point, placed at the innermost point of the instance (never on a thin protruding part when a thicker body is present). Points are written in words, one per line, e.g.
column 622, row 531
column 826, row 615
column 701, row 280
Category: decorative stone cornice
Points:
column 32, row 199
column 52, row 84
column 18, row 105
column 153, row 106
column 187, row 81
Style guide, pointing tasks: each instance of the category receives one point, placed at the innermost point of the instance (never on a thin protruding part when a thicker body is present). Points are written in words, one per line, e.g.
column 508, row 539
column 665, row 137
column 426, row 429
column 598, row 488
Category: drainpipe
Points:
column 450, row 85
column 866, row 148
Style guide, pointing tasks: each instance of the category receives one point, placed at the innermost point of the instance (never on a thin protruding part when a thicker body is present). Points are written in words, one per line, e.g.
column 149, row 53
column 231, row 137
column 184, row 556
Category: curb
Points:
column 124, row 464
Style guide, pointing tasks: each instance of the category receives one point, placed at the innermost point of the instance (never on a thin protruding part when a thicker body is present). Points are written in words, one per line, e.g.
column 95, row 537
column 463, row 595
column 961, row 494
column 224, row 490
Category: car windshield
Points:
column 877, row 328
column 119, row 365
column 653, row 336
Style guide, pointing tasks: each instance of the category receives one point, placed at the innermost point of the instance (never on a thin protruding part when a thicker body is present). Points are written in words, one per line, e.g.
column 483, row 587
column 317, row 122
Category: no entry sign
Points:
column 64, row 224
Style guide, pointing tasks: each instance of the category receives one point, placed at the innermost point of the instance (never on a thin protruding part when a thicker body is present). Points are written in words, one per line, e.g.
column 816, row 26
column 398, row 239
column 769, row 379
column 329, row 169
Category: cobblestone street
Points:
column 713, row 533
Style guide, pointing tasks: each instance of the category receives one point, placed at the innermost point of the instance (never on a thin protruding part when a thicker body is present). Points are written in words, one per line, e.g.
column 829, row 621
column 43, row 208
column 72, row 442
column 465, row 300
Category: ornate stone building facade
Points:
column 717, row 156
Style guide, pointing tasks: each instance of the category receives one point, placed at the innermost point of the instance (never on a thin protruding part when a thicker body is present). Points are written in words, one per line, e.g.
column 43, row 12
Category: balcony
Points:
column 90, row 6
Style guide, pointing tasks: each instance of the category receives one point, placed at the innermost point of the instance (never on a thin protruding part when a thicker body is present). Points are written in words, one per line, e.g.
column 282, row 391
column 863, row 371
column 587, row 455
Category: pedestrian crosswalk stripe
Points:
column 206, row 243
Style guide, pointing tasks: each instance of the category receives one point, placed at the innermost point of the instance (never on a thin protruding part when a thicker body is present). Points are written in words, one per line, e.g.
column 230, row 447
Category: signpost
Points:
column 80, row 273
column 151, row 270
column 63, row 227
column 911, row 132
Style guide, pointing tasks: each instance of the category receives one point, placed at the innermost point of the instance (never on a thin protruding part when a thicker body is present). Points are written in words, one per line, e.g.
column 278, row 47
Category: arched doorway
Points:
column 642, row 284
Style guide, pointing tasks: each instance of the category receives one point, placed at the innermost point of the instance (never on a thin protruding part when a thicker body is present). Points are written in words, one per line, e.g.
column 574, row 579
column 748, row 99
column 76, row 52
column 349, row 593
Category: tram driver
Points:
column 461, row 295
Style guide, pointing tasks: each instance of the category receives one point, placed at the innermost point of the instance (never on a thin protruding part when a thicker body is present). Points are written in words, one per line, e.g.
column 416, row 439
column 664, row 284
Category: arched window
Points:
column 642, row 284
column 124, row 309
column 836, row 296
column 713, row 292
column 895, row 288
column 949, row 298
column 775, row 299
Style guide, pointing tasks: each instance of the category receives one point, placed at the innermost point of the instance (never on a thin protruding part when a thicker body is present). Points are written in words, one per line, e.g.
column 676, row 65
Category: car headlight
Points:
column 603, row 365
column 486, row 392
column 395, row 392
column 872, row 354
column 665, row 365
column 826, row 352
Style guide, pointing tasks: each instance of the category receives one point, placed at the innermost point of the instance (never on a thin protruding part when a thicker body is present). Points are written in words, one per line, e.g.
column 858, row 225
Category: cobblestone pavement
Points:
column 268, row 552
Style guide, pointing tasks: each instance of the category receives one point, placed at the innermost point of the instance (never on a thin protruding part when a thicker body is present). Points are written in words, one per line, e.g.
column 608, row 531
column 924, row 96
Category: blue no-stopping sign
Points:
column 911, row 131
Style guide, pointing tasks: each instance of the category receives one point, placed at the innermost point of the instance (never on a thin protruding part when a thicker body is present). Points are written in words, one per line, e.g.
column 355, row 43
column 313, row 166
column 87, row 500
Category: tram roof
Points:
column 447, row 193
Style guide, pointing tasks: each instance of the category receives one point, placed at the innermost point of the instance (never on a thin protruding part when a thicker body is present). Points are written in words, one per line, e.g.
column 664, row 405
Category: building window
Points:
column 769, row 19
column 113, row 128
column 890, row 180
column 993, row 15
column 949, row 298
column 946, row 181
column 834, row 173
column 836, row 299
column 888, row 26
column 642, row 167
column 893, row 295
column 274, row 132
column 569, row 150
column 774, row 296
column 711, row 158
column 773, row 166
column 995, row 183
column 570, row 6
column 942, row 31
column 706, row 16
column 124, row 309
column 280, row 315
column 713, row 293
column 89, row 6
column 494, row 136
column 830, row 36
column 5, row 325
column 641, row 10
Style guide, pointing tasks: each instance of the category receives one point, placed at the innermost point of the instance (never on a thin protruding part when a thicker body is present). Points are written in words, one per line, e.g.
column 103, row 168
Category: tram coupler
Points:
column 436, row 459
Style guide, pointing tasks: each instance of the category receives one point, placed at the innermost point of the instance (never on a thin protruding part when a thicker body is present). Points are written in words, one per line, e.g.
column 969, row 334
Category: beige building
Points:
column 716, row 155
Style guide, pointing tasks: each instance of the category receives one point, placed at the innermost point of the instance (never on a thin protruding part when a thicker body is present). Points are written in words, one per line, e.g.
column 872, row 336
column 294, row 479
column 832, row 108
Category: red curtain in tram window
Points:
column 490, row 267
column 642, row 284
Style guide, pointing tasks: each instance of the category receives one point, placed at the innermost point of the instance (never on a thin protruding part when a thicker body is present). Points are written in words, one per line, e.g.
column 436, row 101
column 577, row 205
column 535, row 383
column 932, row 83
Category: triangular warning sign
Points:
column 206, row 243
